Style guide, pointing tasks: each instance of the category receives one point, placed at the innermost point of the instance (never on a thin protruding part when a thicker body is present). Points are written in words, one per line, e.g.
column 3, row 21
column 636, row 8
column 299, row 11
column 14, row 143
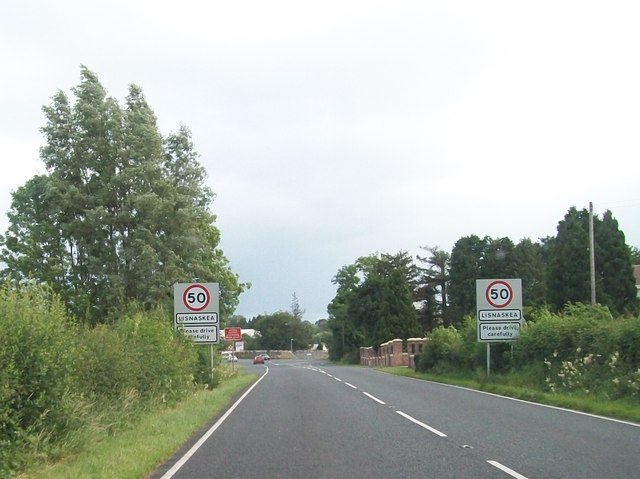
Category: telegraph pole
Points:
column 592, row 256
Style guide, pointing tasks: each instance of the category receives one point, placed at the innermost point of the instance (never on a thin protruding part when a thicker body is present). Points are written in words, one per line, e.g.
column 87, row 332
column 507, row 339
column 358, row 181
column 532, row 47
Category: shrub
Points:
column 37, row 349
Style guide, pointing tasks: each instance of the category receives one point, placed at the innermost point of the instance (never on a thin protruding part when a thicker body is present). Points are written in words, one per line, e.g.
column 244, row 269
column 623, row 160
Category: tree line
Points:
column 384, row 296
column 121, row 214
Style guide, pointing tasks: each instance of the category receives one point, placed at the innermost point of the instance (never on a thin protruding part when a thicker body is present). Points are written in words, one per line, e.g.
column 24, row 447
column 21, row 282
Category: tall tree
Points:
column 530, row 266
column 569, row 261
column 497, row 258
column 466, row 266
column 432, row 289
column 122, row 212
column 569, row 268
column 345, row 335
column 615, row 280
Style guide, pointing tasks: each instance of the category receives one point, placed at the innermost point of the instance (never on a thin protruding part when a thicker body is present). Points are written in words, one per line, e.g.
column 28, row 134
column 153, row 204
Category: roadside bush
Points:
column 583, row 349
column 37, row 376
column 442, row 350
column 139, row 357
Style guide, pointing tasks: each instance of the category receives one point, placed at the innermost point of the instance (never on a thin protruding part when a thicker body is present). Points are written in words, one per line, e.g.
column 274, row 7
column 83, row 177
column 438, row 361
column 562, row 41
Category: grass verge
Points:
column 618, row 409
column 139, row 449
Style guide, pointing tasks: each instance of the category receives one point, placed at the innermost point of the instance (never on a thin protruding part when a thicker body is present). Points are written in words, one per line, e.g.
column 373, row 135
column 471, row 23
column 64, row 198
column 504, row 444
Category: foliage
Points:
column 58, row 378
column 37, row 371
column 282, row 330
column 431, row 291
column 122, row 214
column 374, row 302
column 568, row 263
column 581, row 349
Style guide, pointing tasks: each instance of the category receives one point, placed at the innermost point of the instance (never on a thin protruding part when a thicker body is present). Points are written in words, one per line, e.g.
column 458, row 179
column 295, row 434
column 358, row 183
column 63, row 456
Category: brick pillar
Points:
column 396, row 359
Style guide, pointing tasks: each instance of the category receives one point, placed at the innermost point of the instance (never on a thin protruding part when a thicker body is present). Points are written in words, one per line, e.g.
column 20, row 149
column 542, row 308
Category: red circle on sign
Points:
column 200, row 298
column 507, row 299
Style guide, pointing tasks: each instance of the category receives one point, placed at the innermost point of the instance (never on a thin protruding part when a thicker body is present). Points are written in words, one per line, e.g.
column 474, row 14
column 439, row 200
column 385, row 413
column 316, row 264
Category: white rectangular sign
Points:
column 202, row 334
column 190, row 318
column 498, row 331
column 196, row 310
column 499, row 309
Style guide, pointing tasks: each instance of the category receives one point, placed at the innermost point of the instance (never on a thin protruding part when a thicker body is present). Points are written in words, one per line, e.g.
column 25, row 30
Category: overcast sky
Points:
column 332, row 130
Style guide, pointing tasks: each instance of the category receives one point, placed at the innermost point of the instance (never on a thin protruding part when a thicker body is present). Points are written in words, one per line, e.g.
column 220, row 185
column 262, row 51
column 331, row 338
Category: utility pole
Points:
column 592, row 256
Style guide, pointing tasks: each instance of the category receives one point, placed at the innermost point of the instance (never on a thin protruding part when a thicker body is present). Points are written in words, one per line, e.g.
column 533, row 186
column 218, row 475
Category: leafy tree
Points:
column 497, row 259
column 122, row 213
column 529, row 264
column 345, row 335
column 569, row 261
column 296, row 311
column 281, row 330
column 433, row 285
column 615, row 283
column 466, row 267
column 569, row 269
column 374, row 303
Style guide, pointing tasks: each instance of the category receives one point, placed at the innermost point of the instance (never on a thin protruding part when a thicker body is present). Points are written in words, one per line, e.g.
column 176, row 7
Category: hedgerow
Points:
column 58, row 377
column 581, row 349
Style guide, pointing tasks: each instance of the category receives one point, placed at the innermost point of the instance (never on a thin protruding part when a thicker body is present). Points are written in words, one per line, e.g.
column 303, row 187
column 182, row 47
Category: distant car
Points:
column 258, row 360
column 265, row 356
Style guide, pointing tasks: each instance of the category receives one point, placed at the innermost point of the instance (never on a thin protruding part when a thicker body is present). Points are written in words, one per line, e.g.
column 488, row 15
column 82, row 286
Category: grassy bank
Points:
column 136, row 451
column 619, row 409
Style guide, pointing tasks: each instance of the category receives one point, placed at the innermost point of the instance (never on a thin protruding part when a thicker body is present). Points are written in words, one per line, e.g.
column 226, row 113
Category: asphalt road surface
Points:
column 306, row 419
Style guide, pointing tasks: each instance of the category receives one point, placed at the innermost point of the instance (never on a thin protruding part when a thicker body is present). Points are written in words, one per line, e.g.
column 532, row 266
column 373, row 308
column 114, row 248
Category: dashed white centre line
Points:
column 511, row 472
column 373, row 397
column 338, row 379
column 350, row 385
column 421, row 424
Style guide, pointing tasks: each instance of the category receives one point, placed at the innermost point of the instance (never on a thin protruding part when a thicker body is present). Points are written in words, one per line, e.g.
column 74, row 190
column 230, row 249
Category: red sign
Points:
column 233, row 334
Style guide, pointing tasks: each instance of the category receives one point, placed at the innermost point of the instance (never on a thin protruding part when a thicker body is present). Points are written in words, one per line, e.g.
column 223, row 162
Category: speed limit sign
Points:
column 196, row 311
column 196, row 297
column 499, row 293
column 499, row 309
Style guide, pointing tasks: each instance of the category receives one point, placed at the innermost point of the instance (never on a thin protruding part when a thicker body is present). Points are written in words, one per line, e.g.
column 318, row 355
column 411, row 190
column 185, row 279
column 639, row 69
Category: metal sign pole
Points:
column 488, row 359
column 211, row 354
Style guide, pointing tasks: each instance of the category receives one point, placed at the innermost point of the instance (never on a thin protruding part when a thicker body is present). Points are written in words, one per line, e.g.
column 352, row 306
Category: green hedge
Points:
column 57, row 377
column 581, row 349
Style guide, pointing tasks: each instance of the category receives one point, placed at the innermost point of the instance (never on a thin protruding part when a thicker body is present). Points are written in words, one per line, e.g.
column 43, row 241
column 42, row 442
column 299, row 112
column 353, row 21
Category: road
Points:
column 306, row 419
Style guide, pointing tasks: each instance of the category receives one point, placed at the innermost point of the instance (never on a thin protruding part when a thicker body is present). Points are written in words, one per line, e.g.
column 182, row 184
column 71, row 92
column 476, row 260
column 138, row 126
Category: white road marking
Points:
column 373, row 397
column 182, row 461
column 511, row 472
column 338, row 379
column 421, row 424
column 350, row 385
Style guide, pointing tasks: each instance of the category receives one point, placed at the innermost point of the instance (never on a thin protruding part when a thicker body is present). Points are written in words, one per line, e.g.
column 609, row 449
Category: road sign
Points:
column 498, row 331
column 202, row 334
column 233, row 334
column 499, row 309
column 196, row 311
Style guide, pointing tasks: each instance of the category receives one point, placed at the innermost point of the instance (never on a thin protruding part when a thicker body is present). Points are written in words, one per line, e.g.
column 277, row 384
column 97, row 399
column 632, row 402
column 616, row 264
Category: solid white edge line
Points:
column 415, row 421
column 548, row 406
column 182, row 461
column 373, row 397
column 511, row 472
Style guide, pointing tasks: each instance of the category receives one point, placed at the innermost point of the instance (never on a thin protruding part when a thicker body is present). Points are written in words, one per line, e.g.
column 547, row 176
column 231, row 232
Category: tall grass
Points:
column 139, row 449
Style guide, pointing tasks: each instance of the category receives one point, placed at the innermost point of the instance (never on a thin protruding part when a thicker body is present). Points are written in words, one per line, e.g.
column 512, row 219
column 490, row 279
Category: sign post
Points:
column 196, row 311
column 499, row 311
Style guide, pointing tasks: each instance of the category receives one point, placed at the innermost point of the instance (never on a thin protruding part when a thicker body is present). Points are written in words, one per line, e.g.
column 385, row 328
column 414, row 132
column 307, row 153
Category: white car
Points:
column 229, row 356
